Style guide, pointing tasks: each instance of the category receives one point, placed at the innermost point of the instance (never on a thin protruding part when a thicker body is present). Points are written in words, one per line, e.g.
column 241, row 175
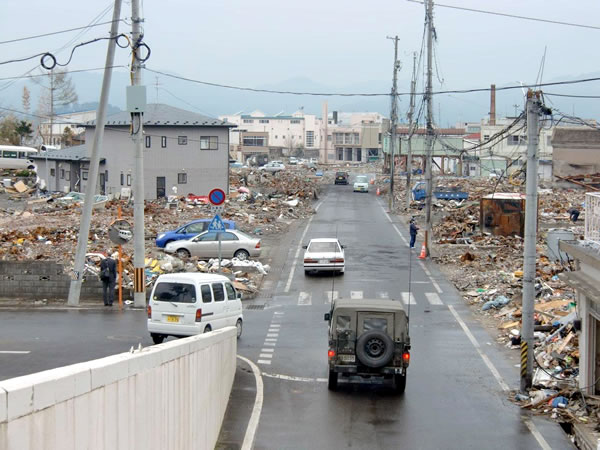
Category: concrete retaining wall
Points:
column 168, row 396
column 41, row 279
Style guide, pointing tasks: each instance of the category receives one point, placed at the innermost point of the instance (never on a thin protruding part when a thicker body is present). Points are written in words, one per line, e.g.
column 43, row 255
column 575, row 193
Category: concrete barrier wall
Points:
column 168, row 396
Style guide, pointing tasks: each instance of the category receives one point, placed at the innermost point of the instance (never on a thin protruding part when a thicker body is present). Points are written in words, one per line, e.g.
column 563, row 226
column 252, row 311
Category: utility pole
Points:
column 429, row 136
column 137, row 129
column 90, row 189
column 411, row 110
column 529, row 253
column 394, row 118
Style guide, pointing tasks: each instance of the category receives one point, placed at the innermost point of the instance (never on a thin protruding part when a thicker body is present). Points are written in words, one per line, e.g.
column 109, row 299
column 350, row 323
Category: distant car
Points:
column 314, row 160
column 234, row 244
column 188, row 231
column 272, row 167
column 324, row 255
column 361, row 184
column 236, row 165
column 341, row 178
column 293, row 161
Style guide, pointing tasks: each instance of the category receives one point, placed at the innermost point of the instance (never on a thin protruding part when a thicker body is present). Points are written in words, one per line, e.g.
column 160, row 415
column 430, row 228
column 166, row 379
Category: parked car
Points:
column 361, row 184
column 341, row 178
column 368, row 338
column 234, row 244
column 188, row 231
column 324, row 255
column 314, row 160
column 273, row 166
column 236, row 165
column 186, row 304
column 293, row 161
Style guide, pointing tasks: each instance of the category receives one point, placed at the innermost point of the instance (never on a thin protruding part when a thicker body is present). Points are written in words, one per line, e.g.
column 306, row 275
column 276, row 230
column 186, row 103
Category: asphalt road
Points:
column 456, row 395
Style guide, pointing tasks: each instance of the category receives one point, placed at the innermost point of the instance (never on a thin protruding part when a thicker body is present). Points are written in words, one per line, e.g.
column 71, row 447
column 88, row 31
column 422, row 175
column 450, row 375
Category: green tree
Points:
column 24, row 130
column 67, row 137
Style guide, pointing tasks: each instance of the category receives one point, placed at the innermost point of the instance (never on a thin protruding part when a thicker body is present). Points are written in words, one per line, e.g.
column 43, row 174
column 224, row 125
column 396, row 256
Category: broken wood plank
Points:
column 565, row 342
column 510, row 325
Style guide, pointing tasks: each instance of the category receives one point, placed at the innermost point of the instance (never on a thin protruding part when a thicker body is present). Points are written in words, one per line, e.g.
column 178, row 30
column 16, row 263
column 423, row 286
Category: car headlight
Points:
column 161, row 235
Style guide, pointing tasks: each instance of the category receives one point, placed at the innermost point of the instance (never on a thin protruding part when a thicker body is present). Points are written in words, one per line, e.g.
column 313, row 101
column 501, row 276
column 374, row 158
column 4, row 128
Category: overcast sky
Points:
column 335, row 43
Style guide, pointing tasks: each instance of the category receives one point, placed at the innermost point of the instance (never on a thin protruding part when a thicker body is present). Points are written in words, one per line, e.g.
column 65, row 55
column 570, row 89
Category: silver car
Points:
column 234, row 244
column 272, row 167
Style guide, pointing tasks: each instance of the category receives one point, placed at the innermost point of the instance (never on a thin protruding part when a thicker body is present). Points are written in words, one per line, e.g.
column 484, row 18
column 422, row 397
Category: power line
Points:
column 57, row 32
column 571, row 95
column 514, row 16
column 70, row 72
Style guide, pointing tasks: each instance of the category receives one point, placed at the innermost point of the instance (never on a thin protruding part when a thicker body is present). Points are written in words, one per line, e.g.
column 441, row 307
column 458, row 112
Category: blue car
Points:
column 188, row 231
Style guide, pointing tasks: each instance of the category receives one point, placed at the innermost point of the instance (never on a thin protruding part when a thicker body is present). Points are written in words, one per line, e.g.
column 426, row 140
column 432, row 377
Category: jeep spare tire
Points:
column 374, row 349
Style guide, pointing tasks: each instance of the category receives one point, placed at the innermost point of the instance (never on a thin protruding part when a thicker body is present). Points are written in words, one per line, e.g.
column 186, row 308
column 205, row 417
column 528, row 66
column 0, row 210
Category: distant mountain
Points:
column 449, row 109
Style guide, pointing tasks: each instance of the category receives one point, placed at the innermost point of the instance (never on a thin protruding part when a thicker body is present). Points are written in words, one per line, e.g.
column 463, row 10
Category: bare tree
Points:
column 26, row 100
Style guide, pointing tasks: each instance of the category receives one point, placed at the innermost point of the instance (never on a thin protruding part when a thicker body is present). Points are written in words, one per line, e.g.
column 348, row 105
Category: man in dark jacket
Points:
column 108, row 276
column 413, row 233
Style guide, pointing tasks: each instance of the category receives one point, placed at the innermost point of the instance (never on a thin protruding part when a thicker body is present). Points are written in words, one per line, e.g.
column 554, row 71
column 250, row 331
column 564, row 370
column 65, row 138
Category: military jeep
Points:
column 368, row 338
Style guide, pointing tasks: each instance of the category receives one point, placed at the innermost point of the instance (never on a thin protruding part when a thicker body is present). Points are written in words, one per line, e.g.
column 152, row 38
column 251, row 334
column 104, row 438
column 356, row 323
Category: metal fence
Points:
column 592, row 216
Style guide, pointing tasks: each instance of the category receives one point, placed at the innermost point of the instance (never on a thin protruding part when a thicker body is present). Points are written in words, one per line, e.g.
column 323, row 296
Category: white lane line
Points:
column 270, row 339
column 428, row 273
column 14, row 352
column 405, row 298
column 250, row 434
column 293, row 269
column 291, row 378
column 331, row 296
column 304, row 299
column 274, row 325
column 383, row 295
column 536, row 434
column 394, row 225
column 486, row 360
column 264, row 361
column 267, row 350
column 272, row 335
column 434, row 298
column 270, row 344
column 357, row 295
column 279, row 313
column 266, row 355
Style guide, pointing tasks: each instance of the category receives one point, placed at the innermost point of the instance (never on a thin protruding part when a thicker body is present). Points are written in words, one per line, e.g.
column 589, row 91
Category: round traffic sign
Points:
column 216, row 197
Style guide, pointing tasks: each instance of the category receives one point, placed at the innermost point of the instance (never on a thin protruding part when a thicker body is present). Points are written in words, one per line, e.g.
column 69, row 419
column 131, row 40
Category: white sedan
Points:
column 272, row 167
column 324, row 254
column 361, row 184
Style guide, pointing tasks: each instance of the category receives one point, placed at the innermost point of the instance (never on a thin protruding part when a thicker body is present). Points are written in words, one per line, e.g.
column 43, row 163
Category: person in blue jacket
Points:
column 413, row 233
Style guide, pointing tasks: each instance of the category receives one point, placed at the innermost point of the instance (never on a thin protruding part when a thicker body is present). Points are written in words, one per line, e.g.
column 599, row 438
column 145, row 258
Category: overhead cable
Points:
column 57, row 32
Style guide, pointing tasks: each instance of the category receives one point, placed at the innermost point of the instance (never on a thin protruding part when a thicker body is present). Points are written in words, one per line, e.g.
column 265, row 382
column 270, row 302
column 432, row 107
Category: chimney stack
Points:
column 493, row 105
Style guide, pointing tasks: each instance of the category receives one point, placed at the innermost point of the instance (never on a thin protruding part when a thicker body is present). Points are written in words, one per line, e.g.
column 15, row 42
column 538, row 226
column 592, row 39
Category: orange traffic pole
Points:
column 120, row 266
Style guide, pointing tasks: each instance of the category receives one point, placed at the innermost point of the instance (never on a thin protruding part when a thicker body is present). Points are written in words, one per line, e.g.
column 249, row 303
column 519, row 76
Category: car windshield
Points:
column 361, row 180
column 323, row 247
column 175, row 293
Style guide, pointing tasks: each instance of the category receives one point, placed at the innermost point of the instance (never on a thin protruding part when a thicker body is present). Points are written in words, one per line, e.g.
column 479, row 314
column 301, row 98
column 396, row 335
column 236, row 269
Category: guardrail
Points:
column 172, row 395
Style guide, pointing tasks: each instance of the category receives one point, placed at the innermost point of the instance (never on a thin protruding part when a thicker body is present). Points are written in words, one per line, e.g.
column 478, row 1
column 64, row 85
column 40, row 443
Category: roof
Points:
column 576, row 137
column 324, row 240
column 191, row 276
column 158, row 114
column 76, row 153
column 375, row 304
column 506, row 196
column 248, row 116
column 438, row 131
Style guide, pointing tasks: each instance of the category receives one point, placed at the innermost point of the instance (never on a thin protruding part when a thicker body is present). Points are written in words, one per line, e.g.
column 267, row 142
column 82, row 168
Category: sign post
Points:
column 217, row 197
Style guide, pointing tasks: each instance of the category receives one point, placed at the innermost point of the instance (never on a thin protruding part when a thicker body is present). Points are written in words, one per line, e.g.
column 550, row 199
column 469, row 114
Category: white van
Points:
column 185, row 304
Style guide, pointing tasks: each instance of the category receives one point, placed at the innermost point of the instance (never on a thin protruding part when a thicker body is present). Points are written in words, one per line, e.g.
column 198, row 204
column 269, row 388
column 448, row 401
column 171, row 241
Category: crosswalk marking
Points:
column 356, row 295
column 331, row 295
column 266, row 355
column 264, row 361
column 304, row 299
column 383, row 295
column 405, row 298
column 434, row 298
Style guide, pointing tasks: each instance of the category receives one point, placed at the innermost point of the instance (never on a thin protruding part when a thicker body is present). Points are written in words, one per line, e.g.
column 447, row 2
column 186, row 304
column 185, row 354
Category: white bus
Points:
column 15, row 157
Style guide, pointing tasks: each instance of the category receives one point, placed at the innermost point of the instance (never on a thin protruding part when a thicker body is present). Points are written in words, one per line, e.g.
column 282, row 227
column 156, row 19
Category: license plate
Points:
column 174, row 319
column 347, row 358
column 323, row 261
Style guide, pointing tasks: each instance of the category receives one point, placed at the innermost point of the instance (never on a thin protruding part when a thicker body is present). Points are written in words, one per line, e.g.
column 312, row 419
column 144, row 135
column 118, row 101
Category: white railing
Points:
column 592, row 216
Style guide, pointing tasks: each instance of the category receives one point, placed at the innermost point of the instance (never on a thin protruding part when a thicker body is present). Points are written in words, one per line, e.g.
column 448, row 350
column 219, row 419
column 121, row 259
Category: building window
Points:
column 340, row 154
column 295, row 121
column 310, row 138
column 52, row 172
column 62, row 174
column 182, row 140
column 181, row 178
column 356, row 138
column 263, row 121
column 128, row 179
column 84, row 175
column 486, row 137
column 122, row 179
column 248, row 121
column 68, row 175
column 339, row 138
column 379, row 139
column 329, row 138
column 209, row 143
column 148, row 141
column 348, row 138
column 254, row 141
column 163, row 141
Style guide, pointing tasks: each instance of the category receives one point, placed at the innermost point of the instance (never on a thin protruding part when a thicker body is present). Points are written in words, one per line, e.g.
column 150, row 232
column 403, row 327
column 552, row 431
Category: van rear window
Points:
column 175, row 292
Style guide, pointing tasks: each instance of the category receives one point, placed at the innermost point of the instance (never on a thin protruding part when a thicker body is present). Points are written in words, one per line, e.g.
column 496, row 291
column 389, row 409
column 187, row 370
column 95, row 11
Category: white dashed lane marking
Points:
column 266, row 354
column 434, row 298
column 356, row 295
column 405, row 298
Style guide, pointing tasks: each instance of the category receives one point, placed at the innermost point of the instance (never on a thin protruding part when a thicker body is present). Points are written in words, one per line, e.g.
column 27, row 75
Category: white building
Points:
column 52, row 134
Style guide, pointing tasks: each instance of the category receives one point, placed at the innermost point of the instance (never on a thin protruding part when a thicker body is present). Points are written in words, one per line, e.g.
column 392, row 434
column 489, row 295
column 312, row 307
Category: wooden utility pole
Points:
column 411, row 110
column 393, row 119
column 429, row 136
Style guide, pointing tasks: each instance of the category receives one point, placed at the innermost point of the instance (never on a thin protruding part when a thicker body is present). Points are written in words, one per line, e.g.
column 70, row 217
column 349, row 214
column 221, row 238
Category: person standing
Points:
column 108, row 276
column 573, row 214
column 413, row 233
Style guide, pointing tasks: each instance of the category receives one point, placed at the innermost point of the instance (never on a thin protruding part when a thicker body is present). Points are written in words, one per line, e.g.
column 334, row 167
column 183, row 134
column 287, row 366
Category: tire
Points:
column 374, row 349
column 332, row 381
column 240, row 327
column 183, row 253
column 399, row 383
column 207, row 329
column 306, row 272
column 157, row 338
column 241, row 254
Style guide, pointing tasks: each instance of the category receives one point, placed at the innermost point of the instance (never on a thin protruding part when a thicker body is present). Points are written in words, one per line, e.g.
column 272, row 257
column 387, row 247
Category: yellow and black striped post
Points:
column 138, row 280
column 523, row 359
